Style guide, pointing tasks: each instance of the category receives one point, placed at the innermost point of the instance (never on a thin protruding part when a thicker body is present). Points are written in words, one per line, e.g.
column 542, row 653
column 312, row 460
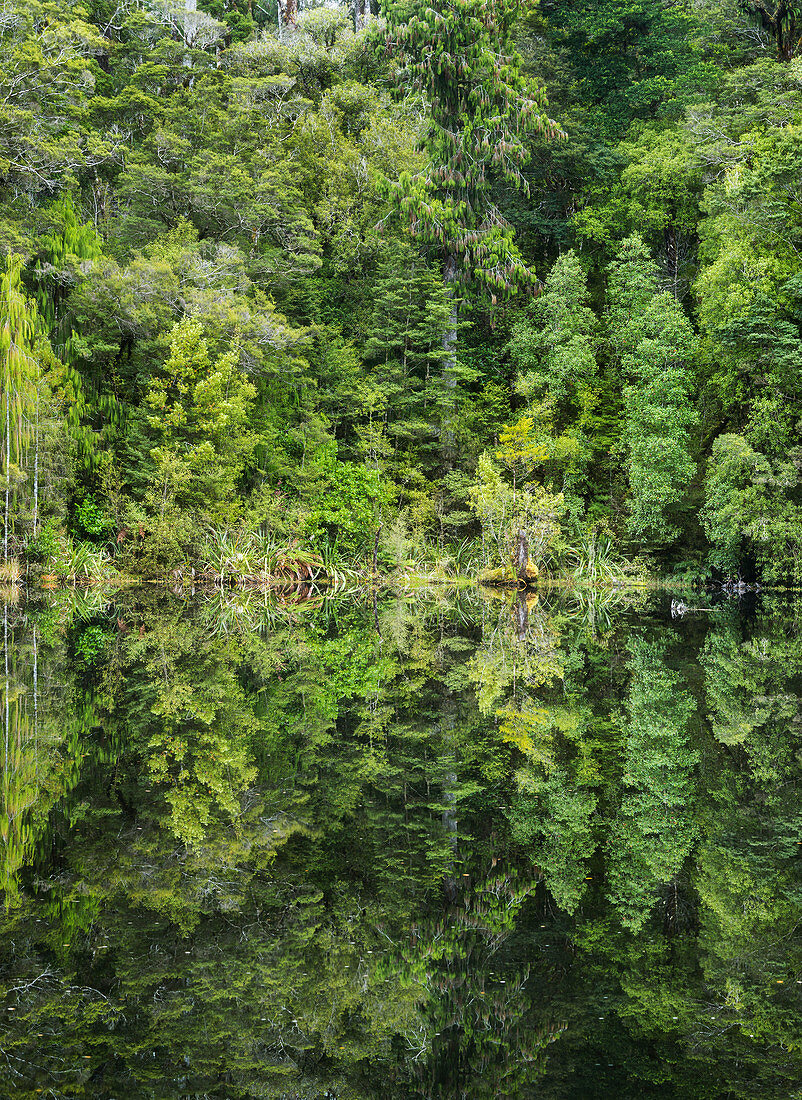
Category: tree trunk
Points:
column 36, row 701
column 672, row 257
column 190, row 10
column 8, row 684
column 449, row 781
column 790, row 43
column 8, row 474
column 449, row 362
column 36, row 469
column 521, row 616
column 521, row 557
column 376, row 551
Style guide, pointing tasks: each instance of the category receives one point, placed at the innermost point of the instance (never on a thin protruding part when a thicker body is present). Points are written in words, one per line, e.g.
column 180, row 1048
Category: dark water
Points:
column 429, row 847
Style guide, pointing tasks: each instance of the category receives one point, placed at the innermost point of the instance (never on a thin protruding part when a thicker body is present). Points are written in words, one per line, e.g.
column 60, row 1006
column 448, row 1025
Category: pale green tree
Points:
column 19, row 386
column 653, row 345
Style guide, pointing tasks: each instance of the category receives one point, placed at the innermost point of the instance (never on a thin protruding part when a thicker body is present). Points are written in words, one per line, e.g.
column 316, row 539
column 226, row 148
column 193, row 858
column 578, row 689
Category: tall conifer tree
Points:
column 460, row 53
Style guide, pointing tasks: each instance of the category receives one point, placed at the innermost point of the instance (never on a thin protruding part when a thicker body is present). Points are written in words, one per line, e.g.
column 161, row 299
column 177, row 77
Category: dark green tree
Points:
column 782, row 19
column 482, row 108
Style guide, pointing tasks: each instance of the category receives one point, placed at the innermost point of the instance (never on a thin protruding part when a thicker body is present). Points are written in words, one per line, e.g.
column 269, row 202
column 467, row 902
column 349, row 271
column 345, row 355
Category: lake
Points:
column 446, row 844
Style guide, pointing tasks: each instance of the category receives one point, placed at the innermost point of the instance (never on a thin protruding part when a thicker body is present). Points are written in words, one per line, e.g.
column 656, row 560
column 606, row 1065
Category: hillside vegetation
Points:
column 473, row 284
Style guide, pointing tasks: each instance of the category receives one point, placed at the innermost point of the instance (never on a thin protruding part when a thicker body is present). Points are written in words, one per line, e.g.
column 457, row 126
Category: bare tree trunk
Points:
column 521, row 615
column 190, row 9
column 36, row 469
column 521, row 557
column 35, row 701
column 672, row 257
column 361, row 14
column 376, row 550
column 8, row 474
column 449, row 781
column 449, row 361
column 8, row 692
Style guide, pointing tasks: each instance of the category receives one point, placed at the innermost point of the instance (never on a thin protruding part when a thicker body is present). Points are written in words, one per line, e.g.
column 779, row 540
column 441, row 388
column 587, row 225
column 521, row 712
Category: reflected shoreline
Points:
column 443, row 843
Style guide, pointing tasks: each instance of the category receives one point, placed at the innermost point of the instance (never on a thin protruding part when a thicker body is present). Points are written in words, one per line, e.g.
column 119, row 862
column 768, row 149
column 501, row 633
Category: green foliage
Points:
column 198, row 412
column 555, row 350
column 595, row 559
column 654, row 346
column 91, row 644
column 654, row 830
column 629, row 58
column 78, row 562
column 349, row 499
column 47, row 77
column 91, row 517
column 482, row 109
column 781, row 20
column 44, row 545
column 750, row 514
column 27, row 421
column 423, row 835
column 267, row 265
column 257, row 316
column 507, row 512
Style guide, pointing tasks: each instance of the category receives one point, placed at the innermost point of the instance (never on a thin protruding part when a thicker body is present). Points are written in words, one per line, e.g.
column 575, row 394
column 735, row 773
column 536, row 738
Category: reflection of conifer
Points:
column 654, row 830
column 483, row 1041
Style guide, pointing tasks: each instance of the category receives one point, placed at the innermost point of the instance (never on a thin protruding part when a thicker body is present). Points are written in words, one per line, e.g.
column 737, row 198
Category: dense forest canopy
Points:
column 288, row 276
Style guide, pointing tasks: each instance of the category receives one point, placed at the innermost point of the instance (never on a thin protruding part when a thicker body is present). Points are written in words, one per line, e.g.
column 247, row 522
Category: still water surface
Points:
column 442, row 846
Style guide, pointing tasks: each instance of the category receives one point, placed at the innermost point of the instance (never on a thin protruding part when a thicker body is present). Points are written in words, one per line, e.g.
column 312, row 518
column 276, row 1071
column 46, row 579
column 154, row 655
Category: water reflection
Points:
column 445, row 846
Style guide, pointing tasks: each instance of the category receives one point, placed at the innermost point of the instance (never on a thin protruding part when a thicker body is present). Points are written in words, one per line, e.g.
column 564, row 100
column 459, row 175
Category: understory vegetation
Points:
column 476, row 285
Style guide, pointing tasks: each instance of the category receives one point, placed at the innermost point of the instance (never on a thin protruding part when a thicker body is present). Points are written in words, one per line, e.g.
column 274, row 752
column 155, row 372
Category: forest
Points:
column 303, row 287
column 310, row 851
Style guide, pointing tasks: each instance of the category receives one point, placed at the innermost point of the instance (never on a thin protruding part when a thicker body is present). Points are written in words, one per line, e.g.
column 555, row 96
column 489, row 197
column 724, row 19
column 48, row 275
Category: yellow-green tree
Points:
column 519, row 520
column 19, row 389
